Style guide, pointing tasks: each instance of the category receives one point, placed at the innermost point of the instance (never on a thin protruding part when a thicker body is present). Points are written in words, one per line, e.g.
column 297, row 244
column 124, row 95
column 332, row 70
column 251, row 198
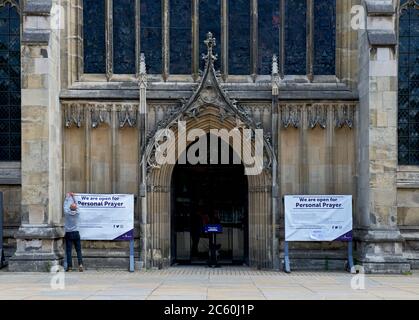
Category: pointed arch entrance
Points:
column 206, row 194
column 208, row 108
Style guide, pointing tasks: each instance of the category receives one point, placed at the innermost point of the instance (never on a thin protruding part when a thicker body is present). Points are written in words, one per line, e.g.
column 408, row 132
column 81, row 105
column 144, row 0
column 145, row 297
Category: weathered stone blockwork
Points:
column 327, row 135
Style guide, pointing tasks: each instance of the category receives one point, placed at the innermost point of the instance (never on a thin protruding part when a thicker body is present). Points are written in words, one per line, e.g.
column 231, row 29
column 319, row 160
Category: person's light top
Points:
column 71, row 217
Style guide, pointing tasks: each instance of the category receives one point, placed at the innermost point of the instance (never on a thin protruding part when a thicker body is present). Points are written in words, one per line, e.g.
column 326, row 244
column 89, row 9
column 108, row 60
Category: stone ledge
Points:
column 382, row 38
column 386, row 268
column 10, row 173
column 408, row 177
column 37, row 7
column 379, row 8
column 36, row 37
column 378, row 235
column 39, row 232
column 240, row 95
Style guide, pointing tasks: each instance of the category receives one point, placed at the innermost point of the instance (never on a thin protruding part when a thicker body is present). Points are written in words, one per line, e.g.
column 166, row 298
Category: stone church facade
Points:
column 332, row 83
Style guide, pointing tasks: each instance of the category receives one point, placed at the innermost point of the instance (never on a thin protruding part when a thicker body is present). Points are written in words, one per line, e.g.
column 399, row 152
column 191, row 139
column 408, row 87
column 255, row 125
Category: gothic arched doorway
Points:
column 209, row 193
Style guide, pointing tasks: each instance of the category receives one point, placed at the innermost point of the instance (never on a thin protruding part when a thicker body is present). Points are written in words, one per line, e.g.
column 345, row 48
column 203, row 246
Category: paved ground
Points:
column 201, row 283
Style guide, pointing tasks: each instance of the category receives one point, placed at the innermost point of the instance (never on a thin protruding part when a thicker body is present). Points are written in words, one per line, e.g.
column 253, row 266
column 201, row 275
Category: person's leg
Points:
column 77, row 244
column 68, row 251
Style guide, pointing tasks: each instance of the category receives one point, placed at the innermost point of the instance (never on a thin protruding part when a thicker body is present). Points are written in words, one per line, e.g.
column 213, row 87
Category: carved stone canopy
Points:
column 208, row 94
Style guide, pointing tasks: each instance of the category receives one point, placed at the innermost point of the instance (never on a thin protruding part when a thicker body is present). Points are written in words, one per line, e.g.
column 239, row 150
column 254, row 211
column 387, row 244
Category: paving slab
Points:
column 201, row 283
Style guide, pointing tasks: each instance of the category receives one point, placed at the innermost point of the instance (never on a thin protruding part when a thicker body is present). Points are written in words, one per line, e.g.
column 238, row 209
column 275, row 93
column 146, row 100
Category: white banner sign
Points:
column 318, row 218
column 106, row 216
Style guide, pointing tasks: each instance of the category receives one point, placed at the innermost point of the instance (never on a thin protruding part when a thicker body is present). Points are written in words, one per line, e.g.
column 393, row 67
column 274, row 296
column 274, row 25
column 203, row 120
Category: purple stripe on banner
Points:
column 345, row 237
column 126, row 236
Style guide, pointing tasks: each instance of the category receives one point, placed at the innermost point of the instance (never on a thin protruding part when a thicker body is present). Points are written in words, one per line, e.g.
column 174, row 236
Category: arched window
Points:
column 180, row 36
column 239, row 36
column 171, row 35
column 124, row 37
column 409, row 83
column 94, row 36
column 10, row 87
column 324, row 37
column 151, row 34
column 210, row 21
column 269, row 21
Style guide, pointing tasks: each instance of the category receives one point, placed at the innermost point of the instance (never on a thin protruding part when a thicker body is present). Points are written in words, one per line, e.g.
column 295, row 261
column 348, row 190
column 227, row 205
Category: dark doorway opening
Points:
column 207, row 193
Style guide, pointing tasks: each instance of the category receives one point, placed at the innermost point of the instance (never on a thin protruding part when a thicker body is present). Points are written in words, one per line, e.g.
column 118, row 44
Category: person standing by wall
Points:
column 72, row 235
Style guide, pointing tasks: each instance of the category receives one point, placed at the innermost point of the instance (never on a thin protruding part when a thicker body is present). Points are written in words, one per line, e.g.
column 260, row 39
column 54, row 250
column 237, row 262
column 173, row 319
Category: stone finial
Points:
column 275, row 76
column 275, row 69
column 210, row 42
column 143, row 70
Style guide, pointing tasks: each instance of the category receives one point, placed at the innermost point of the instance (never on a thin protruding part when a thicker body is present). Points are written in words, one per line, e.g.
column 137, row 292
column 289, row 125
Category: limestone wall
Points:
column 11, row 207
column 318, row 156
column 101, row 157
column 408, row 211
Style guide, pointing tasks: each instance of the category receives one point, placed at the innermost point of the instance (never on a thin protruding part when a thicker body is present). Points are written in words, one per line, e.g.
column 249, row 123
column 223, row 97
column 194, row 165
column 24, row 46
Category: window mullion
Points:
column 225, row 36
column 166, row 39
column 195, row 39
column 137, row 38
column 254, row 41
column 109, row 39
column 310, row 39
column 282, row 37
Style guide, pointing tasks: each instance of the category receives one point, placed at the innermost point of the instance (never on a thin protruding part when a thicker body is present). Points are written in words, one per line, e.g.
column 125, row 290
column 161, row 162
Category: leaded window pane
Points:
column 210, row 21
column 124, row 36
column 295, row 37
column 268, row 42
column 94, row 36
column 239, row 37
column 408, row 114
column 10, row 86
column 151, row 34
column 324, row 37
column 180, row 36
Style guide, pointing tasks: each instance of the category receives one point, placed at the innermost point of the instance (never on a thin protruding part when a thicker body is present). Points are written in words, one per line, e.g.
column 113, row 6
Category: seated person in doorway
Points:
column 72, row 235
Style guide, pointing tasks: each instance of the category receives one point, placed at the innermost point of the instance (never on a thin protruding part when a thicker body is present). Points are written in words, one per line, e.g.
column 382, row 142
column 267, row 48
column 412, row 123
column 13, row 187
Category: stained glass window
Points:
column 295, row 37
column 238, row 17
column 124, row 36
column 210, row 21
column 180, row 36
column 151, row 34
column 409, row 86
column 10, row 110
column 94, row 36
column 269, row 22
column 239, row 37
column 324, row 37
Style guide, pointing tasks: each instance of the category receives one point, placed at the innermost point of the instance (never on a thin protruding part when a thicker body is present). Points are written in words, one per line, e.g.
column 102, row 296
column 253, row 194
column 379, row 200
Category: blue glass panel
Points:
column 10, row 84
column 404, row 45
column 180, row 36
column 324, row 37
column 269, row 23
column 414, row 44
column 124, row 36
column 239, row 36
column 94, row 36
column 151, row 34
column 210, row 21
column 408, row 117
column 295, row 37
